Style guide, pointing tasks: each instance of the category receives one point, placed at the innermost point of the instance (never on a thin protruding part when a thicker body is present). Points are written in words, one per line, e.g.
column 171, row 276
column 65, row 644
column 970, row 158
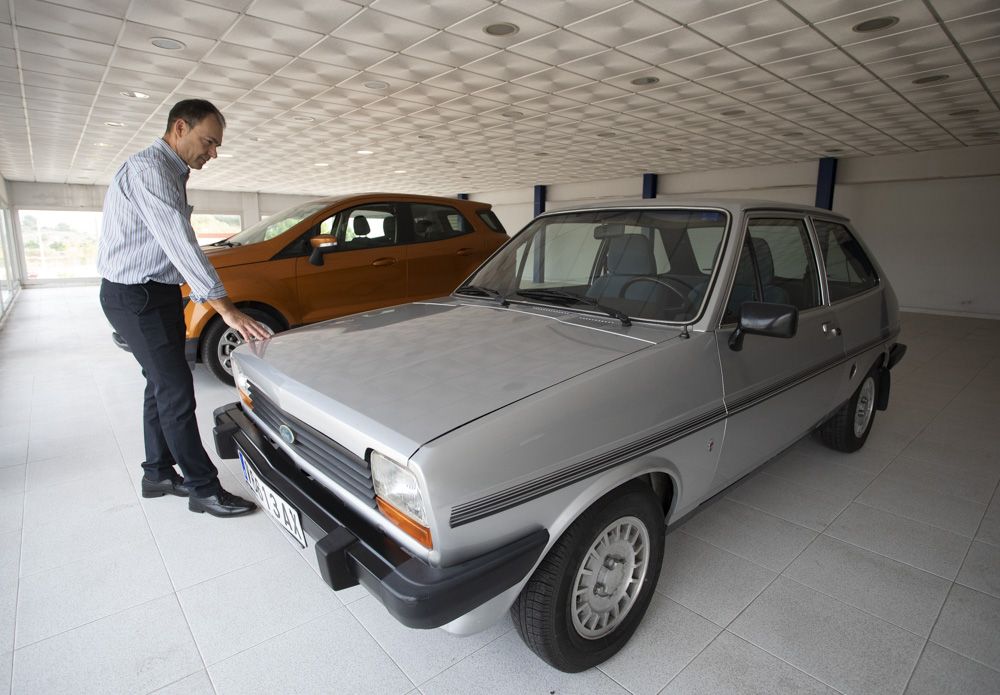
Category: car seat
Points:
column 630, row 256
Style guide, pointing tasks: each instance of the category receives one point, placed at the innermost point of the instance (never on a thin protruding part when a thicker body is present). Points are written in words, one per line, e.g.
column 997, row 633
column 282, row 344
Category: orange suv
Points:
column 338, row 256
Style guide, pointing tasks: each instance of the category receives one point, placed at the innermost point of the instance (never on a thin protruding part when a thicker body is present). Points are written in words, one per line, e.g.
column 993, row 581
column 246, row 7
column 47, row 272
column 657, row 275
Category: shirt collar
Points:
column 175, row 159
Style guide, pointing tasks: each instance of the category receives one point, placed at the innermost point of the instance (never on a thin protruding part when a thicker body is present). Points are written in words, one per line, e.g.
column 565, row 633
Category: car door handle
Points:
column 383, row 261
column 830, row 330
column 465, row 252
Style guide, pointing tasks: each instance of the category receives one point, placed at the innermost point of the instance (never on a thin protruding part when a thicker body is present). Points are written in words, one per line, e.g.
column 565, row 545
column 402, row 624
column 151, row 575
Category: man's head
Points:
column 194, row 131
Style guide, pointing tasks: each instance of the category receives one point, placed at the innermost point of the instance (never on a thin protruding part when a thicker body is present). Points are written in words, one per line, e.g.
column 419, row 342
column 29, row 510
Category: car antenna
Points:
column 685, row 333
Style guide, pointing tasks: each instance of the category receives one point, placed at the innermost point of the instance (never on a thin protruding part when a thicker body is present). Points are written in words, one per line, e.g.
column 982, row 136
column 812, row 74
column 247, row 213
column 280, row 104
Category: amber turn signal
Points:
column 421, row 534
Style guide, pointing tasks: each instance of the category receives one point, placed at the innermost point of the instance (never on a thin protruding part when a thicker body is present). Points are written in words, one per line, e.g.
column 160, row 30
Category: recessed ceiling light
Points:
column 644, row 81
column 102, row 144
column 606, row 134
column 224, row 156
column 876, row 24
column 321, row 164
column 400, row 171
column 133, row 94
column 964, row 112
column 168, row 44
column 257, row 138
column 986, row 134
column 501, row 29
column 931, row 79
column 364, row 152
column 376, row 84
column 114, row 124
column 512, row 114
column 541, row 154
column 424, row 136
column 834, row 150
column 791, row 133
column 303, row 119
column 671, row 149
column 733, row 112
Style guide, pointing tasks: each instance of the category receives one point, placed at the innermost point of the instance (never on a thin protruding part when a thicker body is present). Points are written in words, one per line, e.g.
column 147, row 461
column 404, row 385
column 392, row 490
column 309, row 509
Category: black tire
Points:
column 547, row 616
column 848, row 428
column 217, row 331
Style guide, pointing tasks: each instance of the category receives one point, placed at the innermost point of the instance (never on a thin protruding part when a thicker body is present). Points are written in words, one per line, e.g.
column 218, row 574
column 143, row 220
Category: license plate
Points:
column 282, row 512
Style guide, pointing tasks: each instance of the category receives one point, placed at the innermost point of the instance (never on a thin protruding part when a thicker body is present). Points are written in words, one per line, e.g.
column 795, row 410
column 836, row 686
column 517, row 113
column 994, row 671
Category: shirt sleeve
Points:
column 162, row 207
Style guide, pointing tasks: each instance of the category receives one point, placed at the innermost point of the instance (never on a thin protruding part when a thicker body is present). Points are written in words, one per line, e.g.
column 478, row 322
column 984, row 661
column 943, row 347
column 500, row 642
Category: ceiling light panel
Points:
column 507, row 66
column 316, row 72
column 984, row 26
column 64, row 46
column 61, row 66
column 558, row 47
column 788, row 44
column 896, row 45
column 141, row 61
column 528, row 27
column 812, row 64
column 271, row 36
column 756, row 21
column 140, row 36
column 670, row 46
column 409, row 68
column 707, row 64
column 246, row 58
column 911, row 16
column 233, row 77
column 34, row 14
column 315, row 15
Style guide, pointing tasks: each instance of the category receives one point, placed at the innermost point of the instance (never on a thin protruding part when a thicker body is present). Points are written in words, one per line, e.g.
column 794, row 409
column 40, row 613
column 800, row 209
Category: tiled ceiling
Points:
column 578, row 90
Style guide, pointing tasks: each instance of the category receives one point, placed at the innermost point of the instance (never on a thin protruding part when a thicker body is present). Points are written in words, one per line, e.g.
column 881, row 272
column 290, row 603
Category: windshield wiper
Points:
column 225, row 242
column 549, row 294
column 480, row 291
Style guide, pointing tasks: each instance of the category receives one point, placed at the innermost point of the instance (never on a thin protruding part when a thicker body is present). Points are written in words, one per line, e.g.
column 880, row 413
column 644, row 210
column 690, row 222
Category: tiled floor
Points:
column 877, row 572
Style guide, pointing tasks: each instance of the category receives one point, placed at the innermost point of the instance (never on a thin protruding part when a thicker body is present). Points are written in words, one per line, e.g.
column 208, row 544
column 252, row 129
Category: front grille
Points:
column 329, row 457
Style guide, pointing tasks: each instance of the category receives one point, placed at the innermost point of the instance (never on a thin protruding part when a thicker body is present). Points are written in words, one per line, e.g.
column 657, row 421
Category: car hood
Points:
column 414, row 372
column 226, row 256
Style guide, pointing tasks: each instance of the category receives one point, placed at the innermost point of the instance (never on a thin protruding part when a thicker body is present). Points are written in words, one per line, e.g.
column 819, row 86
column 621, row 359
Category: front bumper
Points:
column 350, row 550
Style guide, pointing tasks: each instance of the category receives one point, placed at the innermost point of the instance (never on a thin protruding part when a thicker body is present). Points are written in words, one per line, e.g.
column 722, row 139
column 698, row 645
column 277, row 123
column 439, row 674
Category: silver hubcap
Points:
column 229, row 341
column 866, row 406
column 610, row 577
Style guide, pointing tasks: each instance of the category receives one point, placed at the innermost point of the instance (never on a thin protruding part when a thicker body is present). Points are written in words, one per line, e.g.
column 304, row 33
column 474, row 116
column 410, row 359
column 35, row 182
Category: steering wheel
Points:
column 685, row 303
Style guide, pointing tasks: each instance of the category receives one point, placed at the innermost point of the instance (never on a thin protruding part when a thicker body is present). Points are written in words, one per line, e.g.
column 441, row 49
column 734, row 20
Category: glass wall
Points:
column 8, row 280
column 60, row 244
column 209, row 228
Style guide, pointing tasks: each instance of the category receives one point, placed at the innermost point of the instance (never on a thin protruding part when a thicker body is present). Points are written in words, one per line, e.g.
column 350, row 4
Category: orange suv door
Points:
column 366, row 271
column 446, row 249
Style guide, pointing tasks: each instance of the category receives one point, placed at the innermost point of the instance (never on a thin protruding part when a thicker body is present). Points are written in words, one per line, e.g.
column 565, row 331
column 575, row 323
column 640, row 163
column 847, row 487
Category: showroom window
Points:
column 210, row 228
column 7, row 277
column 60, row 244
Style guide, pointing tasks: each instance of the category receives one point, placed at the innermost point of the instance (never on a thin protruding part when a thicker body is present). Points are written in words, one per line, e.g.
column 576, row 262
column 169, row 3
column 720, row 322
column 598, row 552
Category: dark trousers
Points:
column 150, row 318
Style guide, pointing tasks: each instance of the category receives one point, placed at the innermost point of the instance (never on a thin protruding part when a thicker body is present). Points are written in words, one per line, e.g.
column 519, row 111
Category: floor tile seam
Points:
column 450, row 666
column 17, row 598
column 771, row 513
column 937, row 618
column 173, row 682
column 898, row 477
column 209, row 667
column 921, row 521
column 826, row 491
column 730, row 552
column 256, row 562
column 965, row 656
column 253, row 562
column 393, row 660
column 889, row 557
column 92, row 622
column 106, row 551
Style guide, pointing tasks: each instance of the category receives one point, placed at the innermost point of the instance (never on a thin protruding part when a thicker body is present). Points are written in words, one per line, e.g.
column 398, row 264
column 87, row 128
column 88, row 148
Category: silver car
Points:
column 522, row 444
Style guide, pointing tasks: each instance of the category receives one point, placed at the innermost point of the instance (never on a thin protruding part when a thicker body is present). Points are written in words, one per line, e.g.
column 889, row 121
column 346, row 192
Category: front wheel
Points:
column 848, row 428
column 220, row 340
column 589, row 594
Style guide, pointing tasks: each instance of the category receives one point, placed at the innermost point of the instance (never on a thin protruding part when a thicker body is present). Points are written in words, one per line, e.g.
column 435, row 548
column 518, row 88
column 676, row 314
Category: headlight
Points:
column 397, row 494
column 242, row 385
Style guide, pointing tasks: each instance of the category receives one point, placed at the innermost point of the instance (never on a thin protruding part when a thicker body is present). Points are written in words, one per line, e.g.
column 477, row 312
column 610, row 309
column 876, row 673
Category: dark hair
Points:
column 193, row 111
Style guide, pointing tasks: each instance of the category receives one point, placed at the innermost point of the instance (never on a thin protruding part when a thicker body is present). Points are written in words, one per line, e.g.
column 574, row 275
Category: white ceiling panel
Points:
column 182, row 15
column 740, row 83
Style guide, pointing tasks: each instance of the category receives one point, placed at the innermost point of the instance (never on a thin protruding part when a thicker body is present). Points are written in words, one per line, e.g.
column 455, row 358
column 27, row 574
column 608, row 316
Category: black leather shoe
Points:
column 221, row 504
column 171, row 486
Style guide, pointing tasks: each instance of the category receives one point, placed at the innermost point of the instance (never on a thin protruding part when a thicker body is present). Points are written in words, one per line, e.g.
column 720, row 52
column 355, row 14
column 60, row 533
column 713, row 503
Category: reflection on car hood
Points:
column 416, row 371
column 226, row 256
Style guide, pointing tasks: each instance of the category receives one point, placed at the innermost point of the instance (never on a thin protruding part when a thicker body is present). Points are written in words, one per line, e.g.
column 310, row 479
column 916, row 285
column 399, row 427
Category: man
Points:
column 147, row 249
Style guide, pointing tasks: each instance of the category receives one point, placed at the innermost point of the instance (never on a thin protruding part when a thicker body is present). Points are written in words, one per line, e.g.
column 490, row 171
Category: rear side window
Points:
column 491, row 220
column 436, row 222
column 849, row 271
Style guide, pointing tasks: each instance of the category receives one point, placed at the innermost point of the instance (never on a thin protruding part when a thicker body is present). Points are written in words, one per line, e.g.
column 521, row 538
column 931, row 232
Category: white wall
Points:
column 931, row 218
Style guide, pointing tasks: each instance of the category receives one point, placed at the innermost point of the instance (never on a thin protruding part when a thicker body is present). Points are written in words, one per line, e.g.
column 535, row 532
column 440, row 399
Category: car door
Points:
column 445, row 249
column 367, row 270
column 776, row 389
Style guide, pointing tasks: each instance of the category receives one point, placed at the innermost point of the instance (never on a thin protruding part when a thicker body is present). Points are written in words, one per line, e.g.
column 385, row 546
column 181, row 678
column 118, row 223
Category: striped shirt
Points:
column 146, row 229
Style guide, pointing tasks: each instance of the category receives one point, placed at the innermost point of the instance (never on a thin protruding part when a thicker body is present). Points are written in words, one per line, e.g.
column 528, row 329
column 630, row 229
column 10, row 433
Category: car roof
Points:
column 734, row 205
column 406, row 197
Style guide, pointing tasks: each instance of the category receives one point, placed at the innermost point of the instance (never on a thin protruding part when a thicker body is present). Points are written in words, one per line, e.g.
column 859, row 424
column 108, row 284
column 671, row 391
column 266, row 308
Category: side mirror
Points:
column 321, row 244
column 762, row 318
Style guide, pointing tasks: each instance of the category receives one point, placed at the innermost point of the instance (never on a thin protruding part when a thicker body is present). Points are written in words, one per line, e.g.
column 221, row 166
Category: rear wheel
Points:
column 589, row 594
column 220, row 340
column 848, row 428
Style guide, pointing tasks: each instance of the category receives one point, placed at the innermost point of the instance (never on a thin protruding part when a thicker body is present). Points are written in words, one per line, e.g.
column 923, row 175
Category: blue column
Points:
column 825, row 182
column 539, row 200
column 463, row 196
column 649, row 185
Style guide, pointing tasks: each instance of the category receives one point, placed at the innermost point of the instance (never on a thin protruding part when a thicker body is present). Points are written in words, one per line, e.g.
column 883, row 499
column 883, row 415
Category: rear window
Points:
column 491, row 221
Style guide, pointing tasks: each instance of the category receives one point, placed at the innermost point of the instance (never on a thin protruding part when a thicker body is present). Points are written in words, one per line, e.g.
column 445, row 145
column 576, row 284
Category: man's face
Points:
column 196, row 145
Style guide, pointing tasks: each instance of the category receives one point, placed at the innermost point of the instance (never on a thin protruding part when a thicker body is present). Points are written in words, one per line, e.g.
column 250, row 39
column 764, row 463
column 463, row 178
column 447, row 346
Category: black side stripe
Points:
column 467, row 512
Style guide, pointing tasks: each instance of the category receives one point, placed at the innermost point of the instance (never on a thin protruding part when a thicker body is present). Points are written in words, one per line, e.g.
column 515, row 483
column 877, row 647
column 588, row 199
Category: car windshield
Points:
column 644, row 264
column 272, row 226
